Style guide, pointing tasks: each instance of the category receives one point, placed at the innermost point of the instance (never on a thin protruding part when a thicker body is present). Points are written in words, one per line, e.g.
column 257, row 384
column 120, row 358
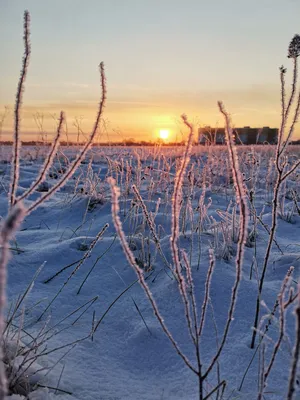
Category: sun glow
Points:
column 164, row 133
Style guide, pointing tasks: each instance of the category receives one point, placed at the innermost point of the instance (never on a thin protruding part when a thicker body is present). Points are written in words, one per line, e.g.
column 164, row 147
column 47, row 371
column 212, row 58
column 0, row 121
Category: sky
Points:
column 162, row 58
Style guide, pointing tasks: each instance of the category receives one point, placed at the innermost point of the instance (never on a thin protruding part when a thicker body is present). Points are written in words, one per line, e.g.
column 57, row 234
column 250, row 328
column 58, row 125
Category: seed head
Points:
column 282, row 69
column 294, row 47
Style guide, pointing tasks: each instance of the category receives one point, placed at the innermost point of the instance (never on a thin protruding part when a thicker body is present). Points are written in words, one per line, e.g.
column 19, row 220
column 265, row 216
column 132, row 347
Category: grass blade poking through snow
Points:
column 150, row 224
column 84, row 258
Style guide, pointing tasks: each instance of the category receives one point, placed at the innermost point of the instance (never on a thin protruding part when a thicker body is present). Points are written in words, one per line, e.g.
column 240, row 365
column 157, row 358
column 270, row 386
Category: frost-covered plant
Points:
column 17, row 211
column 294, row 47
column 282, row 305
column 221, row 242
column 182, row 267
column 24, row 345
column 283, row 170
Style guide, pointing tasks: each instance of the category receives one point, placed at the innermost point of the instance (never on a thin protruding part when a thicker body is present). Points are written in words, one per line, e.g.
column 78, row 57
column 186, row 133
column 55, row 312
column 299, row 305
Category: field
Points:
column 150, row 272
column 86, row 326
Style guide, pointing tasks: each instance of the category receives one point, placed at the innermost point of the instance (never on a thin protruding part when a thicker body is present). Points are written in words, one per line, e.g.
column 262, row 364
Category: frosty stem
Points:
column 283, row 172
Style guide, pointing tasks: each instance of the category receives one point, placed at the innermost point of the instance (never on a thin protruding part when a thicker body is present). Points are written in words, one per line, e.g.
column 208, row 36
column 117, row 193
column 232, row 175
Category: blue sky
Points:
column 162, row 57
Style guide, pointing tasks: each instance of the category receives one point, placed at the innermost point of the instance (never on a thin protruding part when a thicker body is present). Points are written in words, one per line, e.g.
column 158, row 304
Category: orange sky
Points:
column 163, row 58
column 142, row 118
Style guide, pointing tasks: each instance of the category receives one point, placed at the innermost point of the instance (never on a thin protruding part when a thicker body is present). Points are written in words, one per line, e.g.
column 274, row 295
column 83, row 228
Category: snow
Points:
column 129, row 357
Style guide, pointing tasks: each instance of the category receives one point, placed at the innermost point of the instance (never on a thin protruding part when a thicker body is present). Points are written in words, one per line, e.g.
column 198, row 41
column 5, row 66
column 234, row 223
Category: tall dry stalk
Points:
column 282, row 169
column 243, row 228
column 17, row 212
column 282, row 321
column 18, row 104
column 115, row 192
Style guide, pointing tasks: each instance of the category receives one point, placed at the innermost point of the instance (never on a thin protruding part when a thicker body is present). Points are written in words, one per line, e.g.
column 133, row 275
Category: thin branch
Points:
column 48, row 162
column 18, row 104
column 82, row 153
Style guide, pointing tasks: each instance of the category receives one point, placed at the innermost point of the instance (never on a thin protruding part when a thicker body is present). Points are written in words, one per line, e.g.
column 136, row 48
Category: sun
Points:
column 164, row 133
